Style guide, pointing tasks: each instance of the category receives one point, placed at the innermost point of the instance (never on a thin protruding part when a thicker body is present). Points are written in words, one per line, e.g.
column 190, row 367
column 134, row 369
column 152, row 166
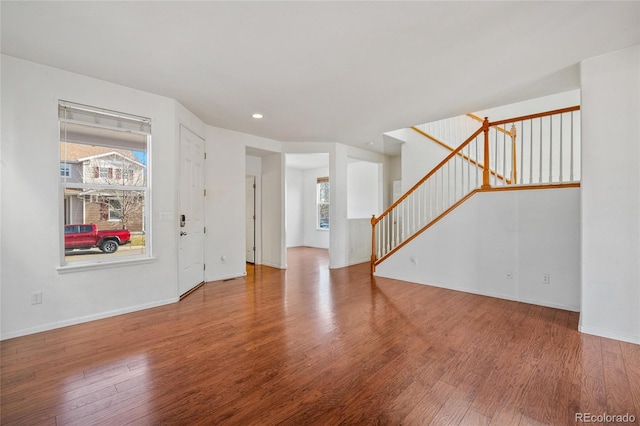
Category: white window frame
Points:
column 111, row 121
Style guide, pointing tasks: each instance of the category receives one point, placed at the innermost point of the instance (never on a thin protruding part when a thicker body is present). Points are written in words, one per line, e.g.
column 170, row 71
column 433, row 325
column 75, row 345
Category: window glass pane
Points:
column 323, row 222
column 104, row 176
column 104, row 215
column 323, row 192
column 102, row 165
column 323, row 203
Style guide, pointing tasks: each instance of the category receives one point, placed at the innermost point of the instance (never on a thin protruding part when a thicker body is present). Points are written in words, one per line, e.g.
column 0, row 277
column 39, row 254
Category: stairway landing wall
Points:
column 501, row 244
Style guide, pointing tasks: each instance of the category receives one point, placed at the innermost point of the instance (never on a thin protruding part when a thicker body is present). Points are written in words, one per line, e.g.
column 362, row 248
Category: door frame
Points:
column 258, row 222
column 253, row 191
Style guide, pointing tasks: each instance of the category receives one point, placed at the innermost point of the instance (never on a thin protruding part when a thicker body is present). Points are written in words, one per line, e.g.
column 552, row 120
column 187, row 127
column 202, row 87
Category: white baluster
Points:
column 561, row 131
column 571, row 160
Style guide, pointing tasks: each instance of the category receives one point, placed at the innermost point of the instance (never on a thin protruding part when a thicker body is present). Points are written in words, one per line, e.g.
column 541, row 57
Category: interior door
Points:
column 191, row 214
column 250, row 191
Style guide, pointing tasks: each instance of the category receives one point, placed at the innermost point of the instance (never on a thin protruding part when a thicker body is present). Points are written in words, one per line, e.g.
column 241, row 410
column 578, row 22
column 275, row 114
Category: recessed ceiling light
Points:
column 257, row 115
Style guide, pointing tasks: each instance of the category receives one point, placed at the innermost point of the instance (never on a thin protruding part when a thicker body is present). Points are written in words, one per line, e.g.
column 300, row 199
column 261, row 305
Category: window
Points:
column 115, row 209
column 65, row 170
column 104, row 174
column 322, row 201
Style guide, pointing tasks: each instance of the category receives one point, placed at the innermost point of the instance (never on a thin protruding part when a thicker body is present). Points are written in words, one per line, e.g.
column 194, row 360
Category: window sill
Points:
column 65, row 269
column 323, row 229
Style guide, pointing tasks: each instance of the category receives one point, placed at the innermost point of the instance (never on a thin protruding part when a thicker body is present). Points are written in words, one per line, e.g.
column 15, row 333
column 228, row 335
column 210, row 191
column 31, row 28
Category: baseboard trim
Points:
column 359, row 261
column 88, row 318
column 273, row 265
column 572, row 308
column 601, row 332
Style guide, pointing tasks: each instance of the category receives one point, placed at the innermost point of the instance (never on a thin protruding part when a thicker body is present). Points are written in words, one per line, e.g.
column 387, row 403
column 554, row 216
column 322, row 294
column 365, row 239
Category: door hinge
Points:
column 205, row 155
column 254, row 249
column 254, row 186
column 205, row 192
column 204, row 266
column 205, row 229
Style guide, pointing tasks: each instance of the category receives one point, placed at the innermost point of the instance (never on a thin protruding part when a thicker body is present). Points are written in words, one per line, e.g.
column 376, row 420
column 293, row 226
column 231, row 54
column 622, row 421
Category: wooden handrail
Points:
column 433, row 138
column 427, row 176
column 465, row 157
column 480, row 120
column 532, row 116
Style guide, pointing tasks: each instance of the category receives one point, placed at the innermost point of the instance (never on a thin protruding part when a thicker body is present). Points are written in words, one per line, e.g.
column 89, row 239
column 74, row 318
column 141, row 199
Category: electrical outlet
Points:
column 509, row 275
column 546, row 278
column 36, row 298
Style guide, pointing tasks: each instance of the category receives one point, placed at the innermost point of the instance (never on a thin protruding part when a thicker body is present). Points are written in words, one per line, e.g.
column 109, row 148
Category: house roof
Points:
column 324, row 71
column 79, row 152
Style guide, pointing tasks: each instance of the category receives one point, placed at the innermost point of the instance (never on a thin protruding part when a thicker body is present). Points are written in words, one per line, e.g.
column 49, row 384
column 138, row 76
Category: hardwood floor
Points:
column 316, row 346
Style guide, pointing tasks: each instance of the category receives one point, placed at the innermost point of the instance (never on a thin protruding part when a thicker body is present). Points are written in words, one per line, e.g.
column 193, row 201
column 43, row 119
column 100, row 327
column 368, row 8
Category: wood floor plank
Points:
column 311, row 345
column 631, row 357
column 618, row 390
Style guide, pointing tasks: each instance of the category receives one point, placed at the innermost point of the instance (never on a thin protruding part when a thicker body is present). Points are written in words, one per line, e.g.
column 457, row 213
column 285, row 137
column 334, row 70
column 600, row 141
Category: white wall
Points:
column 225, row 205
column 31, row 241
column 314, row 237
column 364, row 199
column 611, row 195
column 392, row 171
column 526, row 233
column 273, row 211
column 359, row 240
column 419, row 156
column 226, row 167
column 295, row 207
column 363, row 190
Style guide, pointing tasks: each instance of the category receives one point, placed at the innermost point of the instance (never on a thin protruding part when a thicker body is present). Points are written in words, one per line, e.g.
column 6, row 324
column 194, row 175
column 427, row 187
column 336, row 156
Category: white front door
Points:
column 191, row 214
column 250, row 191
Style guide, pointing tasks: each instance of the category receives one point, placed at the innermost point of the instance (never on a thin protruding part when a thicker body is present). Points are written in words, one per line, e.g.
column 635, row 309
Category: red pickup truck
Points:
column 86, row 236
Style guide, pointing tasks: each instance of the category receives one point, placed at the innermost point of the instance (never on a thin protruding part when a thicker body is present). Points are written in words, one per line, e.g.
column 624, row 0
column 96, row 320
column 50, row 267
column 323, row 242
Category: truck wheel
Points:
column 109, row 246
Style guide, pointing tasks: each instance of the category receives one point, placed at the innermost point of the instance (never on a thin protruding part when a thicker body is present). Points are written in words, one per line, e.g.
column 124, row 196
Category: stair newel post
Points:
column 485, row 171
column 373, row 243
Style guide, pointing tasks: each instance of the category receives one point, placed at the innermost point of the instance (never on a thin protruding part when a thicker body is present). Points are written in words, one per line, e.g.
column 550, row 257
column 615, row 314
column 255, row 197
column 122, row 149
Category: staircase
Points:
column 533, row 151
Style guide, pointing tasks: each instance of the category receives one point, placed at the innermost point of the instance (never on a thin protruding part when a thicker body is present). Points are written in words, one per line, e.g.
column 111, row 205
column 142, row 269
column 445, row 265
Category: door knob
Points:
column 182, row 233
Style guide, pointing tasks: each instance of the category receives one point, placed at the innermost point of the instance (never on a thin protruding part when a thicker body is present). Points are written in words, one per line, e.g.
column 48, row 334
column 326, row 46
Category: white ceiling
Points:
column 324, row 71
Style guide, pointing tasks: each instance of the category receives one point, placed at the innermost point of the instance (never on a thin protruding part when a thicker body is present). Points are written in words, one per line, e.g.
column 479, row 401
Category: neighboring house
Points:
column 95, row 165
